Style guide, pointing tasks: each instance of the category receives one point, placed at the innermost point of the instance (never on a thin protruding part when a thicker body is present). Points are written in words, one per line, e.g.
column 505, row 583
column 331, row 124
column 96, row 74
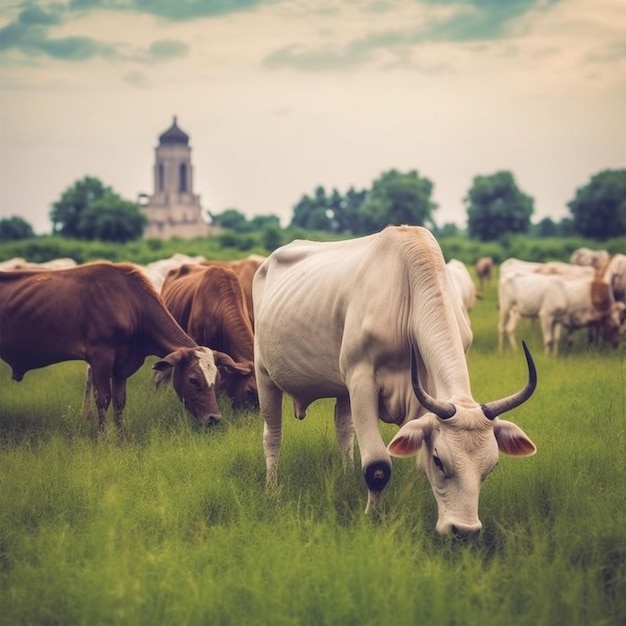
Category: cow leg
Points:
column 344, row 429
column 119, row 399
column 548, row 329
column 87, row 408
column 502, row 320
column 270, row 400
column 510, row 325
column 556, row 337
column 375, row 459
column 101, row 377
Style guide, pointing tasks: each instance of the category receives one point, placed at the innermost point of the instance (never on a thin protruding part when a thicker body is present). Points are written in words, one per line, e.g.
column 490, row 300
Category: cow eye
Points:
column 194, row 381
column 439, row 463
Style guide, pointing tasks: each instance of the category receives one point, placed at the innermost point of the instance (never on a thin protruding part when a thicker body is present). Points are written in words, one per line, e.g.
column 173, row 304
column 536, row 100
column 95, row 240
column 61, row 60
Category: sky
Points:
column 282, row 96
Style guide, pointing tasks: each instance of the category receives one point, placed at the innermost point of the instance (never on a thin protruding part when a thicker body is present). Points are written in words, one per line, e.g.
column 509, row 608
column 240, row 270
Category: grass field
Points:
column 165, row 523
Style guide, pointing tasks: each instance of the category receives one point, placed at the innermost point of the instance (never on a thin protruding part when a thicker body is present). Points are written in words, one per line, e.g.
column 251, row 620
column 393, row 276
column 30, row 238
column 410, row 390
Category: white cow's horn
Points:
column 497, row 407
column 444, row 410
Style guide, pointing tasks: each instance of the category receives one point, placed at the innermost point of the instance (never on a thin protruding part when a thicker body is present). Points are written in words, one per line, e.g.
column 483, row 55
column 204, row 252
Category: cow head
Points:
column 238, row 380
column 461, row 445
column 609, row 323
column 195, row 377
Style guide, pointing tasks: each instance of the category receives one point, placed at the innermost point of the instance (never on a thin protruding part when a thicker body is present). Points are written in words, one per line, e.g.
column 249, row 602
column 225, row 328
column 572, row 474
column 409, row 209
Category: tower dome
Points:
column 174, row 135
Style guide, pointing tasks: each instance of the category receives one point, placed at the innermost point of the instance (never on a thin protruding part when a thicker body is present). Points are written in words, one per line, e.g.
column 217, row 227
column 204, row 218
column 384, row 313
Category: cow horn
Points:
column 444, row 410
column 497, row 407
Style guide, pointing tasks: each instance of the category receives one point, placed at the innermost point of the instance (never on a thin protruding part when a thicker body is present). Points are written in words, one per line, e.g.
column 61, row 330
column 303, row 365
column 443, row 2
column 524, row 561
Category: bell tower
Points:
column 173, row 210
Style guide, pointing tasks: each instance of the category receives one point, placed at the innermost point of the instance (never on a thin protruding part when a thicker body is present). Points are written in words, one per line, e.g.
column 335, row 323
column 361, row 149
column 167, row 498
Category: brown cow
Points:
column 484, row 269
column 245, row 270
column 208, row 302
column 108, row 315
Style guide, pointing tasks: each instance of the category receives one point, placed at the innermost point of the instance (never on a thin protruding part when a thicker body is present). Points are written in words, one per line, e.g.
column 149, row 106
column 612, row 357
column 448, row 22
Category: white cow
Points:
column 157, row 271
column 566, row 270
column 463, row 283
column 21, row 264
column 514, row 266
column 341, row 320
column 531, row 295
column 593, row 258
column 557, row 300
column 614, row 274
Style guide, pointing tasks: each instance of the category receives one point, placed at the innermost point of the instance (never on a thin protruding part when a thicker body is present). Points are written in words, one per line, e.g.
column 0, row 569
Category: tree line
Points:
column 495, row 205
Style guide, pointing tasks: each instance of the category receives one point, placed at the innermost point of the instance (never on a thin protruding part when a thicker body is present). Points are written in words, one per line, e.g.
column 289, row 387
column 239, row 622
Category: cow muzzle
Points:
column 209, row 420
column 458, row 530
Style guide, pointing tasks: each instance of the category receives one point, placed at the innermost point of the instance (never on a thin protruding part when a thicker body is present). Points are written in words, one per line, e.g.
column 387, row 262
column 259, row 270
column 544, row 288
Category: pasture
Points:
column 167, row 523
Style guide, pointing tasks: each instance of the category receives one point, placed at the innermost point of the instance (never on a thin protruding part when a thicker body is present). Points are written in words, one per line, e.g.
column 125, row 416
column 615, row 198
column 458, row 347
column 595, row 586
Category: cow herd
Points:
column 379, row 323
column 563, row 295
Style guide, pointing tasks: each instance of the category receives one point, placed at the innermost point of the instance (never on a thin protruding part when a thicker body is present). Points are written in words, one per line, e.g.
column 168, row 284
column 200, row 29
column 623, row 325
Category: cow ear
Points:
column 408, row 439
column 512, row 439
column 164, row 368
column 226, row 361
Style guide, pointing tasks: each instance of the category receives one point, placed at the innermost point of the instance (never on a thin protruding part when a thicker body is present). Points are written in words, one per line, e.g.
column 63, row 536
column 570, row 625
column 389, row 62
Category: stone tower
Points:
column 173, row 210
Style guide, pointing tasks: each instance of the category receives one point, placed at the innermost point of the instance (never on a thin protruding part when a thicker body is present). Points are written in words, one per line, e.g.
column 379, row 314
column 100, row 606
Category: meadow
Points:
column 168, row 523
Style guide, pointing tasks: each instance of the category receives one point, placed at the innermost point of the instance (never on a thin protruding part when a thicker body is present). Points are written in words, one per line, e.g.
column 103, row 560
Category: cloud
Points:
column 356, row 53
column 465, row 21
column 481, row 20
column 172, row 10
column 167, row 49
column 30, row 35
column 611, row 53
column 36, row 15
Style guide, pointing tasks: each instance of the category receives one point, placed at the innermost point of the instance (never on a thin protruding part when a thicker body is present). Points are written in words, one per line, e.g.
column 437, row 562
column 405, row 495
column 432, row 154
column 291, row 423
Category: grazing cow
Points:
column 514, row 266
column 463, row 283
column 15, row 263
column 341, row 320
column 157, row 271
column 245, row 270
column 18, row 263
column 566, row 270
column 531, row 295
column 108, row 315
column 593, row 258
column 208, row 303
column 484, row 270
column 614, row 274
column 556, row 300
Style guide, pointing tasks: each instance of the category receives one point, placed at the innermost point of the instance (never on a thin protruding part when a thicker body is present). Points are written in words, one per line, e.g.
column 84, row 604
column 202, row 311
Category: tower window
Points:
column 161, row 178
column 182, row 183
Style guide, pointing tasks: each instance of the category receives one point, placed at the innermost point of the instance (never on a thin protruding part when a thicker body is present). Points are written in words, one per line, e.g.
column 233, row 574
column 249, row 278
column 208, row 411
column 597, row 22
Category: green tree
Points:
column 313, row 212
column 15, row 228
column 398, row 198
column 272, row 237
column 599, row 208
column 66, row 212
column 347, row 211
column 261, row 222
column 449, row 229
column 496, row 206
column 547, row 228
column 111, row 218
column 231, row 219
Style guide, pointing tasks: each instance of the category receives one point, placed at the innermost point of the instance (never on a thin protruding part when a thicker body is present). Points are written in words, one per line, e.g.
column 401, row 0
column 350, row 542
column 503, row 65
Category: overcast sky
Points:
column 280, row 96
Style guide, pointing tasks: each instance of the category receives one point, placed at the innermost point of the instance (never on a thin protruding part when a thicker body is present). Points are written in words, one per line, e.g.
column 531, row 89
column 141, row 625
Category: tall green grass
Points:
column 167, row 523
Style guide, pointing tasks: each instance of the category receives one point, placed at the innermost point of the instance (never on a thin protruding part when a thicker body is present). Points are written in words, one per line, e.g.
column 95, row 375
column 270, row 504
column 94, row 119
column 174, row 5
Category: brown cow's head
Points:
column 196, row 378
column 238, row 380
column 611, row 324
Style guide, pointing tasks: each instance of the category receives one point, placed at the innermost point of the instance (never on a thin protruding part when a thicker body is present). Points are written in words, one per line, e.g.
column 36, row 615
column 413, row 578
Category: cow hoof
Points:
column 377, row 475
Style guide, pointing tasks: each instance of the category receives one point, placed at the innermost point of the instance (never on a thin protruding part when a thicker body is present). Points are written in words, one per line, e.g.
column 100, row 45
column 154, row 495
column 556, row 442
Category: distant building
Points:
column 173, row 210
